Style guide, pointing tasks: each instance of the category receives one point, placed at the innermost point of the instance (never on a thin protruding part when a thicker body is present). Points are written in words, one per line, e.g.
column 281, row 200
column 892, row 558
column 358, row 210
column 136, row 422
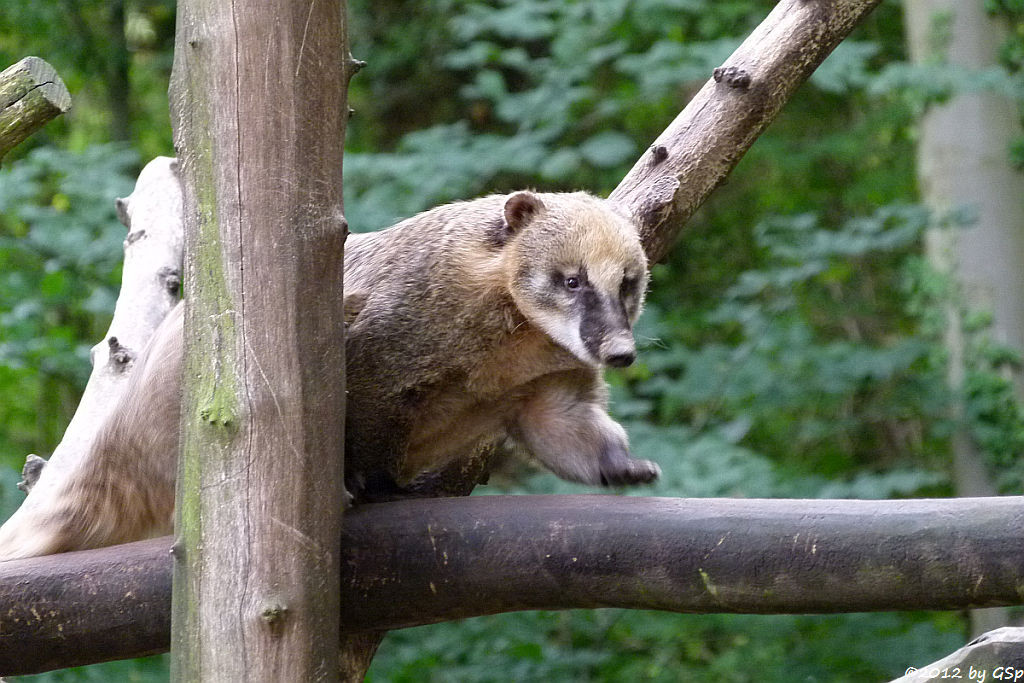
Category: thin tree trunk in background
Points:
column 963, row 161
column 258, row 102
column 119, row 89
column 105, row 48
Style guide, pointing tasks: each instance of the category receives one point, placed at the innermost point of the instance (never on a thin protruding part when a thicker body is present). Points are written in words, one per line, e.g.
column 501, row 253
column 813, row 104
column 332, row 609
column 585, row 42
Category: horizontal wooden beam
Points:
column 85, row 607
column 423, row 561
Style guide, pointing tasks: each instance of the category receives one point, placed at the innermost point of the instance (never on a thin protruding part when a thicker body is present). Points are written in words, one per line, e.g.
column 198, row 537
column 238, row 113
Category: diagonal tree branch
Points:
column 699, row 149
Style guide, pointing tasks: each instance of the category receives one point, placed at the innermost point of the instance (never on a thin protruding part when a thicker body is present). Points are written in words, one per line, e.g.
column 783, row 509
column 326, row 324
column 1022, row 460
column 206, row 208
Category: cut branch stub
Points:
column 31, row 93
column 30, row 472
column 120, row 355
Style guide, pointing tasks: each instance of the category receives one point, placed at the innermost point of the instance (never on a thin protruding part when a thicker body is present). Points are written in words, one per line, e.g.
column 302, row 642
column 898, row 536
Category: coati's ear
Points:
column 520, row 209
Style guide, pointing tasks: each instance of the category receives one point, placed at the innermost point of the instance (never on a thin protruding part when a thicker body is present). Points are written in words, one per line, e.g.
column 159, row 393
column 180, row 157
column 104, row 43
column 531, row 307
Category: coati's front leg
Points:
column 565, row 425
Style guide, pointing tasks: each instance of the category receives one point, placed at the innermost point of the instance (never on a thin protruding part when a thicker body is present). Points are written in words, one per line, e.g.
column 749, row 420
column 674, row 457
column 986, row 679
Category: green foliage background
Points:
column 790, row 343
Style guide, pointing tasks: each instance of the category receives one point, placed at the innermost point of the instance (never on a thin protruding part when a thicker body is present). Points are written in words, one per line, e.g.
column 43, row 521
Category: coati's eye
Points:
column 572, row 283
column 628, row 287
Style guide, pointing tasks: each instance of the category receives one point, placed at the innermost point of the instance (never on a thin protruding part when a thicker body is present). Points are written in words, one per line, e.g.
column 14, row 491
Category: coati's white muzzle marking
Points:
column 565, row 331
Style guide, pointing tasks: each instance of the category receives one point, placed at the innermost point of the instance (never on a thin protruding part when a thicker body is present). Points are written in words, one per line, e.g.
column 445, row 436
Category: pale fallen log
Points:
column 151, row 281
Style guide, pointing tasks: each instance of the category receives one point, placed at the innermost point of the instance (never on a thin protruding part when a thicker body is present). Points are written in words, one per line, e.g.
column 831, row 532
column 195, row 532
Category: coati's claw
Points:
column 627, row 472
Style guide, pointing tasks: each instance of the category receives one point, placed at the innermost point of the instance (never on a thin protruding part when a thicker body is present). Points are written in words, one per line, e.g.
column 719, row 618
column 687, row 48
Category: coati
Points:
column 466, row 324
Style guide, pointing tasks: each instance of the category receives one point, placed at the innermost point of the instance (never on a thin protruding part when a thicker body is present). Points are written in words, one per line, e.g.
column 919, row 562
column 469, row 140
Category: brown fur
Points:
column 453, row 343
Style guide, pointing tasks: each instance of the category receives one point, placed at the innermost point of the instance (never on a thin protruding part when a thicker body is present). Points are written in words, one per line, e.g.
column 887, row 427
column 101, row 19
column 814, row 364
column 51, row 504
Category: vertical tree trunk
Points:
column 258, row 101
column 963, row 160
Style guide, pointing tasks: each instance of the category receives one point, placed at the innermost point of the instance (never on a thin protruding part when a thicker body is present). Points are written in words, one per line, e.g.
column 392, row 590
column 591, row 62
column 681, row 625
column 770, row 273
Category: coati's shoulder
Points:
column 432, row 292
column 422, row 242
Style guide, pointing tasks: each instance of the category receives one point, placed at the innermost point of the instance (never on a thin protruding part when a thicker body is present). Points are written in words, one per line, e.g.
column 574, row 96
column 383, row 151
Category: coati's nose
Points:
column 621, row 360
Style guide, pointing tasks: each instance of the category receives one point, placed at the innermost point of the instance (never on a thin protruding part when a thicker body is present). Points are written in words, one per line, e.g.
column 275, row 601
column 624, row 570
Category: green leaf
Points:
column 607, row 149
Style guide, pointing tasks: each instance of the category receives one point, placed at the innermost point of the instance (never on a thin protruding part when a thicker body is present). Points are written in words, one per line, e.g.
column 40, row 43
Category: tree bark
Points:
column 423, row 561
column 258, row 100
column 31, row 93
column 963, row 161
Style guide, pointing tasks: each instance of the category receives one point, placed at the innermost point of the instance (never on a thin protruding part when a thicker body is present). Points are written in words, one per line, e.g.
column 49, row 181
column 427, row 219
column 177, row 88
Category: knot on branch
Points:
column 170, row 278
column 31, row 471
column 31, row 93
column 657, row 202
column 123, row 214
column 134, row 237
column 273, row 616
column 220, row 413
column 356, row 65
column 732, row 76
column 120, row 355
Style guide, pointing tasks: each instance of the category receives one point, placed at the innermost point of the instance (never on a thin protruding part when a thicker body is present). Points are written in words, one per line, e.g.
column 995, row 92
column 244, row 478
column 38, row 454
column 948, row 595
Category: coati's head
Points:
column 577, row 271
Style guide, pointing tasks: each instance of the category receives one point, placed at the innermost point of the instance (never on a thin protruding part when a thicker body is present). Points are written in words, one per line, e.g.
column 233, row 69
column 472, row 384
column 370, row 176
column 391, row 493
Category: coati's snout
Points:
column 580, row 275
column 605, row 327
column 620, row 357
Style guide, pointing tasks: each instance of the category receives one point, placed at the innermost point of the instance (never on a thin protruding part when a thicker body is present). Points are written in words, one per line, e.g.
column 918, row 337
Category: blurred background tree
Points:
column 962, row 164
column 793, row 343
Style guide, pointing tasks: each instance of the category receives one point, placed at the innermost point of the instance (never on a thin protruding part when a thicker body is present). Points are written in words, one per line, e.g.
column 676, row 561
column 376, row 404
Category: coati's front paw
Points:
column 627, row 471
